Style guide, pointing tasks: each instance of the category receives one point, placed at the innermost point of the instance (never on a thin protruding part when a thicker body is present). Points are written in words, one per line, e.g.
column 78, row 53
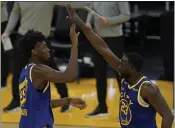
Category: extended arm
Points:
column 60, row 102
column 48, row 74
column 151, row 93
column 97, row 42
column 75, row 102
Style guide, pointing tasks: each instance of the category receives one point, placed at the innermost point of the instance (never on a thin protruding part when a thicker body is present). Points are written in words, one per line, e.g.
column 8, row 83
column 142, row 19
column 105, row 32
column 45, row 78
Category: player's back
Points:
column 35, row 104
column 134, row 111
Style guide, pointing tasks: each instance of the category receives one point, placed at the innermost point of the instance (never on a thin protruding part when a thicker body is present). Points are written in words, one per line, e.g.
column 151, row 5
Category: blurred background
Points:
column 149, row 31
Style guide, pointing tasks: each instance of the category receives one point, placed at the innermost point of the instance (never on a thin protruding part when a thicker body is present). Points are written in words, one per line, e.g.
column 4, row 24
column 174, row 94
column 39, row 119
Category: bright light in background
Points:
column 111, row 90
column 91, row 95
column 153, row 81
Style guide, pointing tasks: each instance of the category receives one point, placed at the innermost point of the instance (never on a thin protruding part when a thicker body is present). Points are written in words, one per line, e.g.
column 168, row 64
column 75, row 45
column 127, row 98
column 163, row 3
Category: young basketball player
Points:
column 140, row 99
column 35, row 78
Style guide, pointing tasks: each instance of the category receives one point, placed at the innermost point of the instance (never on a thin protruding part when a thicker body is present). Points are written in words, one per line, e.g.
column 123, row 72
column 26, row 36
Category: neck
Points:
column 35, row 60
column 134, row 78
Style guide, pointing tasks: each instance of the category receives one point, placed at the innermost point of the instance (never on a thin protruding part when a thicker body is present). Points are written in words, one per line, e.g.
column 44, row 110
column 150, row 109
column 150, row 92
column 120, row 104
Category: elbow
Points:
column 127, row 17
column 169, row 117
column 72, row 79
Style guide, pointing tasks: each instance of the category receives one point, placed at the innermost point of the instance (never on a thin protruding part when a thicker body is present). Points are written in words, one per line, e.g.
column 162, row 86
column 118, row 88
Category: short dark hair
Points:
column 135, row 59
column 28, row 42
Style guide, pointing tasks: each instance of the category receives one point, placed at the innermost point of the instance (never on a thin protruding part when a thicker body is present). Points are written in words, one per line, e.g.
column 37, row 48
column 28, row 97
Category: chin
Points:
column 47, row 59
column 123, row 76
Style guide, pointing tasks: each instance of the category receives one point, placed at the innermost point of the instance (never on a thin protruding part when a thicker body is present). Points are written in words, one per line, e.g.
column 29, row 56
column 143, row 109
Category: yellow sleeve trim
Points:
column 122, row 81
column 140, row 99
column 31, row 73
column 31, row 78
column 46, row 87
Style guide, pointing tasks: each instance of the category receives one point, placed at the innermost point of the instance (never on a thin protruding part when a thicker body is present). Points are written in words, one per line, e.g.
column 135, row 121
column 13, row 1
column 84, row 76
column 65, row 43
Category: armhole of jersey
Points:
column 30, row 75
column 48, row 83
column 122, row 81
column 140, row 99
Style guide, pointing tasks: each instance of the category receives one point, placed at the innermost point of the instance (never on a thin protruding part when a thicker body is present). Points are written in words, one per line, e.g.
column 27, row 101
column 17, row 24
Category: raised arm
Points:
column 97, row 42
column 152, row 94
column 48, row 74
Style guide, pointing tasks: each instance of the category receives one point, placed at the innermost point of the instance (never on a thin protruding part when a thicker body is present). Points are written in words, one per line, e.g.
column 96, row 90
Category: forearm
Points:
column 118, row 19
column 60, row 102
column 167, row 121
column 74, row 4
column 72, row 67
column 98, row 43
column 14, row 17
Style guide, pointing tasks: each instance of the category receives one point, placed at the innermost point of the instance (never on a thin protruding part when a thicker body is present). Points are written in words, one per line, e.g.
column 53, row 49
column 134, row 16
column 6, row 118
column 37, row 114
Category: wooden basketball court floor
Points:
column 76, row 118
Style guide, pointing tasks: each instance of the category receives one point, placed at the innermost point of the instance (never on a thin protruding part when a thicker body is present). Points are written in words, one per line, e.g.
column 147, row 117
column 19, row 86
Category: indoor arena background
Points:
column 150, row 32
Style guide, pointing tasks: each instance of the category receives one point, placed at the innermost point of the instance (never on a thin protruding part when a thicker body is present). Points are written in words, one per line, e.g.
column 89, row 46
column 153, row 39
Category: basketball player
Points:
column 140, row 99
column 35, row 78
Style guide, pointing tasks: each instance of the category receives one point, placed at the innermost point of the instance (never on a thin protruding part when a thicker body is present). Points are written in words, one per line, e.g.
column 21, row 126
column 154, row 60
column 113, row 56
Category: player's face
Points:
column 42, row 51
column 124, row 67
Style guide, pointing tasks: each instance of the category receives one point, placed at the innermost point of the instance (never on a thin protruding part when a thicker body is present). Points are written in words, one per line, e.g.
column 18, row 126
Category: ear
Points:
column 33, row 51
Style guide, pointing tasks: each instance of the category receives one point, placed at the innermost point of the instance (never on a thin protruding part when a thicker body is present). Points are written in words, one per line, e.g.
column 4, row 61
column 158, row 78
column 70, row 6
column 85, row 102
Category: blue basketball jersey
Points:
column 134, row 111
column 36, row 111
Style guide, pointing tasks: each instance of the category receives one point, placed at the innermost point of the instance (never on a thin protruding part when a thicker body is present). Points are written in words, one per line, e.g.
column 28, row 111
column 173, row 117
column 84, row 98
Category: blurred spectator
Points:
column 109, row 27
column 37, row 16
column 4, row 56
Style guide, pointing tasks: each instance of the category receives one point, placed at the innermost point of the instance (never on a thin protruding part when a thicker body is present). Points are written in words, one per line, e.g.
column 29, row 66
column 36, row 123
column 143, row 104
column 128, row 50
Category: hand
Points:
column 72, row 14
column 102, row 20
column 74, row 35
column 4, row 35
column 78, row 103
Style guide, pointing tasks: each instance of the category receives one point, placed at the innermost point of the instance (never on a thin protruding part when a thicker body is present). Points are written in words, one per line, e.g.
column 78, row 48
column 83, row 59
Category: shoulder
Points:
column 40, row 70
column 148, row 86
column 39, row 67
column 149, row 89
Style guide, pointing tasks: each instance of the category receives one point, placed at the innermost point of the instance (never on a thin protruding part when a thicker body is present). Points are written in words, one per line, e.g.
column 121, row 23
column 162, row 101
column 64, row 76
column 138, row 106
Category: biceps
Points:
column 160, row 105
column 60, row 77
column 48, row 74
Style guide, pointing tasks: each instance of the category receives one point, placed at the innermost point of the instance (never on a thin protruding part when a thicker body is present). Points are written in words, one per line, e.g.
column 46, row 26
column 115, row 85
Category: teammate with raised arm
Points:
column 140, row 99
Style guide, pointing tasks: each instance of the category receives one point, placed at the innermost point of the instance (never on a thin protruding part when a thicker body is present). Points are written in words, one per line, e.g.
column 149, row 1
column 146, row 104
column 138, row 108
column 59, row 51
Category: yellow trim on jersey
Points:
column 140, row 99
column 46, row 87
column 22, row 92
column 123, row 105
column 30, row 75
column 122, row 81
column 131, row 86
